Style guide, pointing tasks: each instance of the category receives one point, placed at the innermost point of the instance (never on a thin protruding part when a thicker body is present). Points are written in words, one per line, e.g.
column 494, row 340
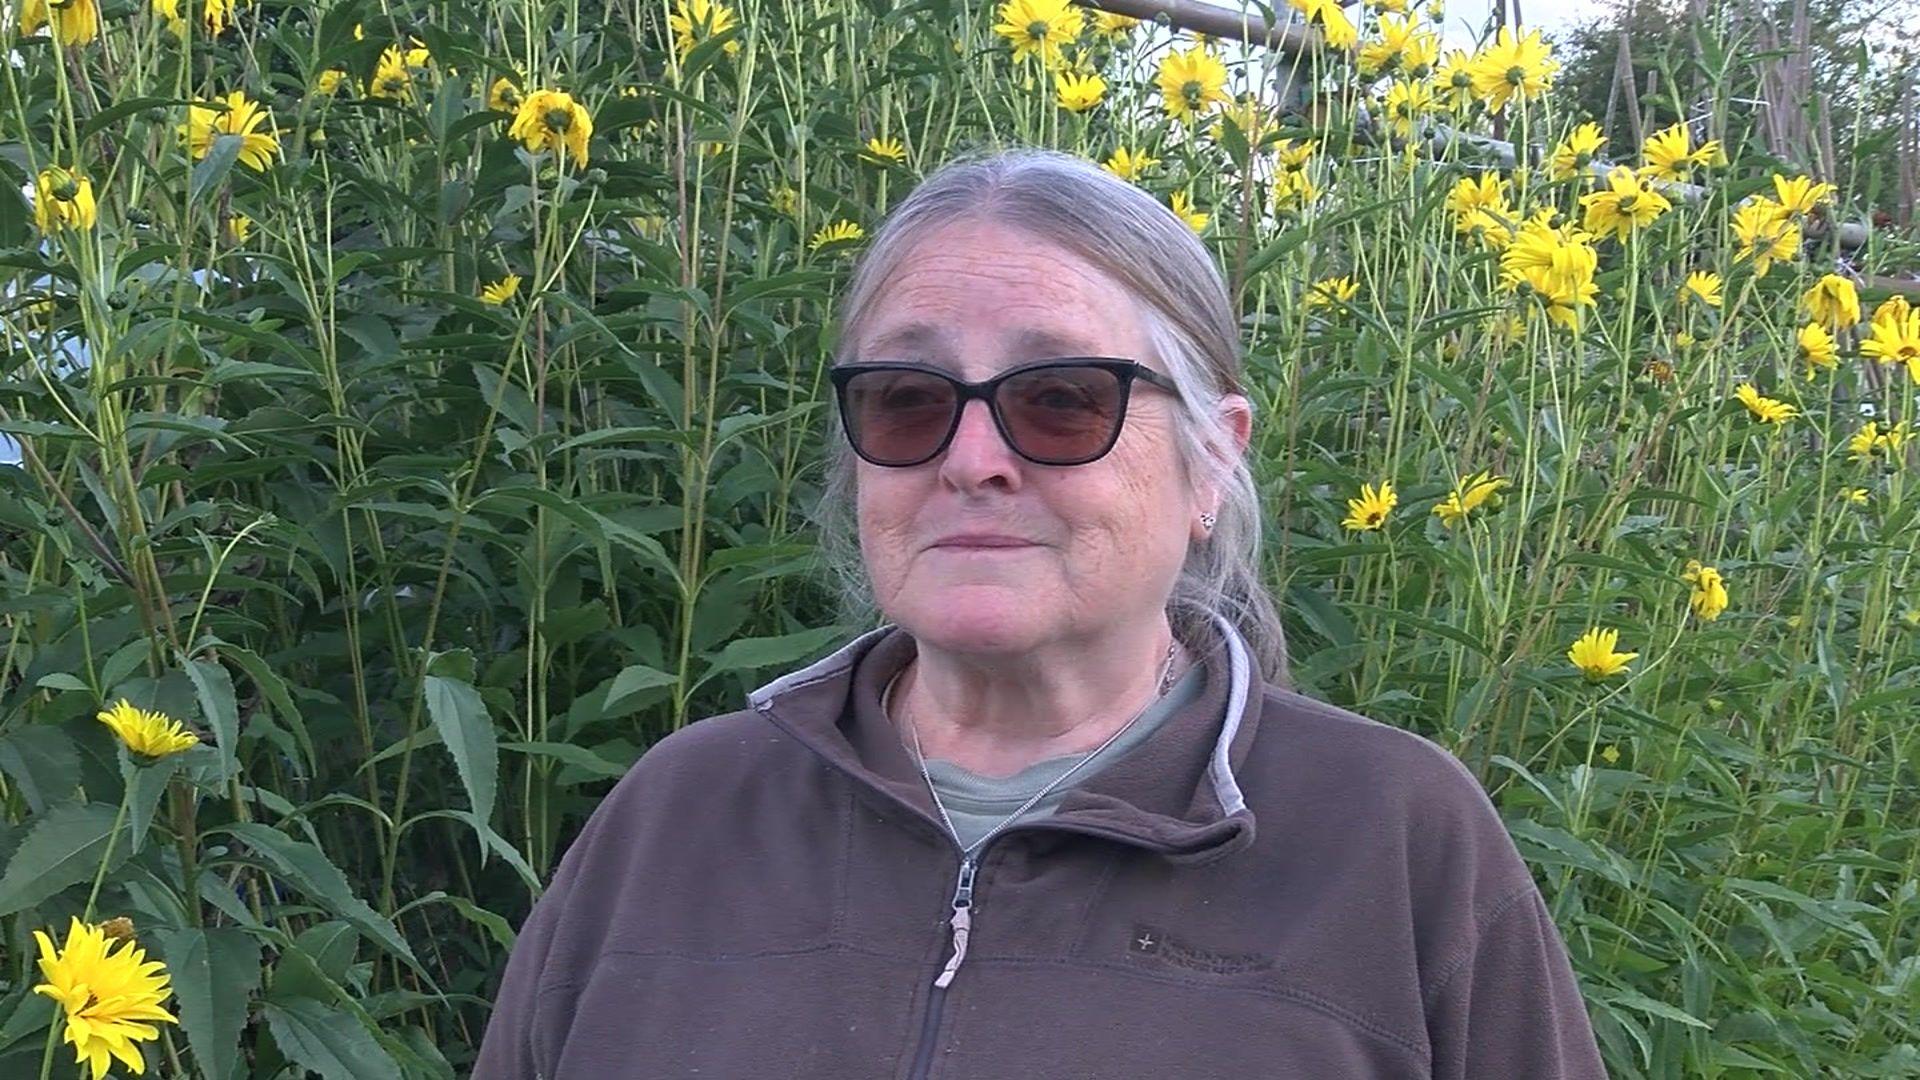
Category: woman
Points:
column 1061, row 816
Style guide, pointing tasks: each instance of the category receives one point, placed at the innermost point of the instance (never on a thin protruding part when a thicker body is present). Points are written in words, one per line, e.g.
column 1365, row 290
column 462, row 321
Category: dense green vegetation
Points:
column 428, row 444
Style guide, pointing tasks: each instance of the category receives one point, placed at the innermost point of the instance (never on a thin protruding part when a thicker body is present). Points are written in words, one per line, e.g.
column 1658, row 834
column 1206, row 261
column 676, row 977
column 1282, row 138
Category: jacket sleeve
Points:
column 1511, row 1006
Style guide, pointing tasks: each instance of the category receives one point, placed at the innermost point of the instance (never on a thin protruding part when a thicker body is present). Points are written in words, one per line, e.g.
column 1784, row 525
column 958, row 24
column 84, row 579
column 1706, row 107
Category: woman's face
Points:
column 980, row 550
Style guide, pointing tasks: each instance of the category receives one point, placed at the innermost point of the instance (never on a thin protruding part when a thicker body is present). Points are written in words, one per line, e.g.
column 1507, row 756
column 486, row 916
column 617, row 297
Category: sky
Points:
column 1465, row 17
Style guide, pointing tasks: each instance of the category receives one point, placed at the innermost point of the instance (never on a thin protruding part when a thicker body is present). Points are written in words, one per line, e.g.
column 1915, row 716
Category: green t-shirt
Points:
column 978, row 803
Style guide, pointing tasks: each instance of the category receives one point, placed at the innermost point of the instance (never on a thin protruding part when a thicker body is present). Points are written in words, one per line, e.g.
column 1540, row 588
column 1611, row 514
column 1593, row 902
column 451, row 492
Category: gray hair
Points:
column 1122, row 231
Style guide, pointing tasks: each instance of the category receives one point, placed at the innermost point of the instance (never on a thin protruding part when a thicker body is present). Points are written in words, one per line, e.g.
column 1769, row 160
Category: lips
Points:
column 983, row 541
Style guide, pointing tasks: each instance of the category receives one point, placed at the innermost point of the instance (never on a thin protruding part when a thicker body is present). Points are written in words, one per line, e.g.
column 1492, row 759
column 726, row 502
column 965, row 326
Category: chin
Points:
column 978, row 619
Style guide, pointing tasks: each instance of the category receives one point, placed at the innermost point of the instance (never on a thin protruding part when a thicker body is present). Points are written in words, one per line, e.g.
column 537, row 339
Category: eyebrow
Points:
column 939, row 340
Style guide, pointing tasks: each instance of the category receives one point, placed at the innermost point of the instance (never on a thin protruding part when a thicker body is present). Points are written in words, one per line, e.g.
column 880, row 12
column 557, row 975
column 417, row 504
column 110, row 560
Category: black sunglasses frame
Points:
column 1126, row 371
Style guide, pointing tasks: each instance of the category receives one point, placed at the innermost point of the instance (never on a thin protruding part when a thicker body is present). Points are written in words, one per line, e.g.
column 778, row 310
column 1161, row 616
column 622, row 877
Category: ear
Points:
column 1236, row 412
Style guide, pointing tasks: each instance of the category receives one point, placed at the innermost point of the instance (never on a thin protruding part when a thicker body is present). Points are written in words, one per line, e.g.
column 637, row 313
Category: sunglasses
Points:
column 1064, row 411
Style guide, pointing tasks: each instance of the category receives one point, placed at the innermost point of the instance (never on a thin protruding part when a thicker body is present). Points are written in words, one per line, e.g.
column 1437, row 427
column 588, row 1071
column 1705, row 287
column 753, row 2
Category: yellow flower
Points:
column 241, row 226
column 1669, row 154
column 149, row 734
column 216, row 14
column 1293, row 189
column 552, row 120
column 1511, row 67
column 1895, row 338
column 786, row 201
column 1555, row 264
column 1628, row 202
column 694, row 21
column 1858, row 496
column 1184, row 210
column 1191, row 83
column 1406, row 102
column 1703, row 285
column 886, row 151
column 1370, row 510
column 75, row 22
column 109, row 993
column 1765, row 234
column 1327, row 292
column 1335, row 27
column 1577, row 151
column 1466, row 496
column 1078, row 93
column 1870, row 441
column 1709, row 597
column 503, row 96
column 1294, row 157
column 1817, row 348
column 1832, row 302
column 330, row 81
column 1039, row 28
column 1593, row 654
column 219, row 15
column 1128, row 164
column 1453, row 81
column 208, row 121
column 1402, row 48
column 1108, row 25
column 838, row 232
column 392, row 77
column 1764, row 409
column 1799, row 196
column 1487, row 192
column 63, row 199
column 1893, row 308
column 1247, row 114
column 501, row 291
column 1610, row 755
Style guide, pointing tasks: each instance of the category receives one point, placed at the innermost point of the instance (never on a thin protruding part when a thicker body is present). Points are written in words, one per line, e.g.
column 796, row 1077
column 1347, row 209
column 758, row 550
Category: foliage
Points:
column 429, row 445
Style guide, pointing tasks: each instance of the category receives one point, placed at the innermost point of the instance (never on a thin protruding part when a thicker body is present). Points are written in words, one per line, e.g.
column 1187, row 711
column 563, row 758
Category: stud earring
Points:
column 1206, row 521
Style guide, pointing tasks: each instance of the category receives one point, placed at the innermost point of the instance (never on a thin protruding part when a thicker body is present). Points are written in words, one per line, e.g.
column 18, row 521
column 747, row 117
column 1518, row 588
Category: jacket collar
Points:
column 1176, row 794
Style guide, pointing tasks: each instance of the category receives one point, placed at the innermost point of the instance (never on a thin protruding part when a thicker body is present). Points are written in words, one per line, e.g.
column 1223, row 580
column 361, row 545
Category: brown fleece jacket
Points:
column 770, row 893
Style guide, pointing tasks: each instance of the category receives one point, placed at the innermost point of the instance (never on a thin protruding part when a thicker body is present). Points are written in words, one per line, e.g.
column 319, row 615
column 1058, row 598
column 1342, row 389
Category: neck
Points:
column 997, row 715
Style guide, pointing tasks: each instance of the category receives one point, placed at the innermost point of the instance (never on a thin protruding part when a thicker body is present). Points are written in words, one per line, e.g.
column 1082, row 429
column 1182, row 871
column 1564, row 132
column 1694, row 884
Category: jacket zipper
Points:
column 961, row 923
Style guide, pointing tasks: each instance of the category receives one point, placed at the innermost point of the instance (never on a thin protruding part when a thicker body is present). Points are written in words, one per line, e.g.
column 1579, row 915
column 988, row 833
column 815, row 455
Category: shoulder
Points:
column 1331, row 770
column 698, row 763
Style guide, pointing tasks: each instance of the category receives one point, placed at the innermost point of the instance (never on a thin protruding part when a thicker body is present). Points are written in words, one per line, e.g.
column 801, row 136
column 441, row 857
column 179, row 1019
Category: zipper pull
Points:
column 962, row 921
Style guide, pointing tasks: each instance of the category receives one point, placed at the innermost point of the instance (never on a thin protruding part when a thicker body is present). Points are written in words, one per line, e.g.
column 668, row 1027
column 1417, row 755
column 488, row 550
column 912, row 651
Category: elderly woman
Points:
column 1060, row 816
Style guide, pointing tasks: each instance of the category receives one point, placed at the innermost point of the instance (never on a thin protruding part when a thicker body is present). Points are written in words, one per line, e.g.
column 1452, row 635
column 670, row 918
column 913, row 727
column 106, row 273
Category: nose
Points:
column 977, row 455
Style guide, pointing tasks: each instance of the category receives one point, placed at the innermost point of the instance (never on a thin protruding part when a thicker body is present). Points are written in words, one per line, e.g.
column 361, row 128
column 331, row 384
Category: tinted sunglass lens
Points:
column 897, row 417
column 1062, row 415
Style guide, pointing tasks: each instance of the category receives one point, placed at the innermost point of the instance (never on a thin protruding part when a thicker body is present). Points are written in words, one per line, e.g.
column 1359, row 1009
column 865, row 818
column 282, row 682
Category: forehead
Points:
column 986, row 296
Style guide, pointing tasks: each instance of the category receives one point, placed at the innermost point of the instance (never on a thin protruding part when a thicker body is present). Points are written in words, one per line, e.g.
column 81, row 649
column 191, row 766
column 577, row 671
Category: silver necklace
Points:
column 886, row 701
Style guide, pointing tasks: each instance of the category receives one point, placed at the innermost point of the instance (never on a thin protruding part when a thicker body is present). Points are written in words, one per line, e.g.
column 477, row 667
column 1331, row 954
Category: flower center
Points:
column 1037, row 29
column 559, row 120
column 1516, row 75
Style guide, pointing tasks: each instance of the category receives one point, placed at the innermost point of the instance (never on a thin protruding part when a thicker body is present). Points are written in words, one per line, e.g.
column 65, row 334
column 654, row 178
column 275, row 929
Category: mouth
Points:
column 984, row 543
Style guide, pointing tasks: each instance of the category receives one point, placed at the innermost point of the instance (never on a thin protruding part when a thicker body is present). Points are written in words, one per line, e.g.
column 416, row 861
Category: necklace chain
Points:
column 886, row 697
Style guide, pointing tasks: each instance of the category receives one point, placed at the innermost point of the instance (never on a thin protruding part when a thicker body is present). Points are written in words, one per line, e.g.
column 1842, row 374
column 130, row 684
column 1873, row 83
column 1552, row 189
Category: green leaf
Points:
column 214, row 687
column 308, row 869
column 214, row 167
column 746, row 654
column 460, row 716
column 147, row 784
column 633, row 680
column 570, row 754
column 42, row 760
column 64, row 848
column 327, row 1041
column 215, row 971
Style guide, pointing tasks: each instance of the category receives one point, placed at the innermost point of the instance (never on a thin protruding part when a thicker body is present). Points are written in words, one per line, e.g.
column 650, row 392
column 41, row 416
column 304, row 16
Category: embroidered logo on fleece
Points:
column 1153, row 942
